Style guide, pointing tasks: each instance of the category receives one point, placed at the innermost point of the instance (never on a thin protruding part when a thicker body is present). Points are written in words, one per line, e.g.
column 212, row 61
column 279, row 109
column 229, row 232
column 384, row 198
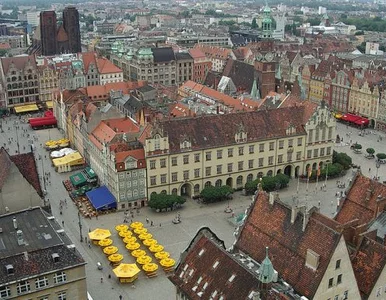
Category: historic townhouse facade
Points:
column 48, row 83
column 185, row 155
column 340, row 90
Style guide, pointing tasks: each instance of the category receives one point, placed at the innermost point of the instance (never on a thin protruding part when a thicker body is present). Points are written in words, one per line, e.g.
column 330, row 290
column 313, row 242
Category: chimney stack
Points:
column 14, row 223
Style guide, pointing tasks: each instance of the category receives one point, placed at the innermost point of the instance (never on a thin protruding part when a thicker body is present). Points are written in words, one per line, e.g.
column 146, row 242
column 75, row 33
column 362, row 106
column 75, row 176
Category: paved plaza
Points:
column 174, row 237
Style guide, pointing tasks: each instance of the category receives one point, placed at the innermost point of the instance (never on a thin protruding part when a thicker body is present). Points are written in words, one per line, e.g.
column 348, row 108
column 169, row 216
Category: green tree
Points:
column 254, row 24
column 162, row 201
column 212, row 194
column 342, row 159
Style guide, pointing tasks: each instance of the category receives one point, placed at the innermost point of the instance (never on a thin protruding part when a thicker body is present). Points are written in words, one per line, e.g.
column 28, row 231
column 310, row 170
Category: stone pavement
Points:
column 175, row 237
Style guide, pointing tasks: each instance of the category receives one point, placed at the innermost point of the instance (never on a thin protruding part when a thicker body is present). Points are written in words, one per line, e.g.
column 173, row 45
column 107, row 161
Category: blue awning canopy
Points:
column 101, row 198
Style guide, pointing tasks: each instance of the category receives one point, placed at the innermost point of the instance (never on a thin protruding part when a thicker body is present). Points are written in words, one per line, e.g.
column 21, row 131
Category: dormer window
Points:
column 291, row 130
column 185, row 145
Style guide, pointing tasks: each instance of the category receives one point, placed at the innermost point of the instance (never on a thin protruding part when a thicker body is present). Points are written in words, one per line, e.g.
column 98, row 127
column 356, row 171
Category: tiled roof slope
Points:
column 361, row 200
column 5, row 163
column 217, row 279
column 242, row 74
column 19, row 62
column 27, row 166
column 212, row 131
column 368, row 263
column 269, row 225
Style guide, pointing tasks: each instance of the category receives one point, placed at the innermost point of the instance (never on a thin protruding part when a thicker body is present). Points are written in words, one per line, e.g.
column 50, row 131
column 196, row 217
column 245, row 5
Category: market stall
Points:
column 126, row 273
column 102, row 199
column 99, row 234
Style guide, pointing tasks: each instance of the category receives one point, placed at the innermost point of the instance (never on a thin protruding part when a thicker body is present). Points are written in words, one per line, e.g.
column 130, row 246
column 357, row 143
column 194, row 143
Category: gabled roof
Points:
column 62, row 35
column 361, row 200
column 180, row 110
column 88, row 58
column 138, row 154
column 19, row 61
column 368, row 263
column 198, row 262
column 242, row 74
column 70, row 96
column 106, row 67
column 269, row 225
column 27, row 167
column 164, row 54
column 212, row 131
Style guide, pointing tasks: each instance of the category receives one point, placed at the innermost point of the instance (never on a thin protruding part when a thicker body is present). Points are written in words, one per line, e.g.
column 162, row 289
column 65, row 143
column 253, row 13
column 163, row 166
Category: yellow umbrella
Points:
column 133, row 246
column 121, row 227
column 151, row 267
column 125, row 234
column 145, row 236
column 167, row 262
column 149, row 242
column 99, row 234
column 129, row 239
column 162, row 255
column 105, row 242
column 137, row 253
column 140, row 230
column 116, row 257
column 156, row 248
column 143, row 260
column 110, row 250
column 126, row 270
column 135, row 225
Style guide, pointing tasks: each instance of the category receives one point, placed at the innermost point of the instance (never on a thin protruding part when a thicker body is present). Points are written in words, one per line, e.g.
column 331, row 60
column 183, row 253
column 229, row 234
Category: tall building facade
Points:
column 48, row 32
column 71, row 26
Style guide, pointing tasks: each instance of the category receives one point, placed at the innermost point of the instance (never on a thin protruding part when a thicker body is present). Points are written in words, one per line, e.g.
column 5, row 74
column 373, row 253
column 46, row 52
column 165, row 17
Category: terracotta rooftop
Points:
column 269, row 225
column 20, row 62
column 294, row 101
column 368, row 263
column 214, row 52
column 88, row 58
column 361, row 200
column 62, row 35
column 107, row 67
column 70, row 96
column 138, row 154
column 197, row 53
column 180, row 110
column 211, row 131
column 241, row 73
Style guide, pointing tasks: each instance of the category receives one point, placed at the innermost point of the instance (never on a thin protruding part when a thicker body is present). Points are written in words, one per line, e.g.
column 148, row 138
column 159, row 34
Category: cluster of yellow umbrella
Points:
column 54, row 144
column 98, row 235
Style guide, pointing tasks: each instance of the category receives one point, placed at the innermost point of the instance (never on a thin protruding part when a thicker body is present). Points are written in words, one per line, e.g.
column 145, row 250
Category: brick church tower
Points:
column 48, row 32
column 71, row 26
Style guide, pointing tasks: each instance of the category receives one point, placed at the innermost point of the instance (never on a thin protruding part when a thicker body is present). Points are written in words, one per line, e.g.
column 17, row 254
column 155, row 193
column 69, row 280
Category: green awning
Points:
column 90, row 173
column 78, row 179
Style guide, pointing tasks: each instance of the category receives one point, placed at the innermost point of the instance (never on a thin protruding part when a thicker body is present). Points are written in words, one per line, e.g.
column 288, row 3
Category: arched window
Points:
column 250, row 178
column 218, row 183
column 239, row 180
column 270, row 173
column 196, row 188
column 174, row 191
column 208, row 184
column 164, row 192
column 260, row 175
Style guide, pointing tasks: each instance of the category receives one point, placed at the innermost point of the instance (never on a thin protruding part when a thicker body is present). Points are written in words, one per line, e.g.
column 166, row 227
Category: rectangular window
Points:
column 261, row 161
column 163, row 162
column 153, row 180
column 152, row 164
column 289, row 157
column 321, row 151
column 270, row 160
column 174, row 176
column 41, row 282
column 208, row 156
column 62, row 296
column 281, row 144
column 316, row 152
column 250, row 164
column 60, row 277
column 240, row 165
column 163, row 178
column 290, row 143
column 196, row 173
column 328, row 150
column 330, row 282
column 280, row 158
column 310, row 134
column 174, row 161
column 339, row 281
column 197, row 157
column 298, row 155
column 230, row 152
column 208, row 171
column 230, row 167
column 329, row 133
column 5, row 292
column 251, row 149
column 241, row 150
column 309, row 153
column 300, row 141
column 186, row 159
column 261, row 147
column 186, row 175
column 23, row 287
column 219, row 154
column 219, row 169
column 271, row 146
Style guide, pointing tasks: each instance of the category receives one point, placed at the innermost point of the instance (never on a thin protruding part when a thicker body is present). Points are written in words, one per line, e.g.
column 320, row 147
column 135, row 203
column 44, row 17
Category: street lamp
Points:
column 377, row 165
column 17, row 140
column 80, row 227
column 327, row 162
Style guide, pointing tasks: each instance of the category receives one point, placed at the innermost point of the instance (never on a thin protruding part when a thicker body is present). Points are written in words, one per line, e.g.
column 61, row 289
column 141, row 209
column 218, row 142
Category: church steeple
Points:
column 267, row 22
column 266, row 269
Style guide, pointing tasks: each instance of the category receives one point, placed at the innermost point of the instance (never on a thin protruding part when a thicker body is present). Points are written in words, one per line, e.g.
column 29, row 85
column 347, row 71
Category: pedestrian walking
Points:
column 62, row 223
column 120, row 297
column 147, row 221
column 89, row 244
column 369, row 170
column 101, row 279
column 151, row 223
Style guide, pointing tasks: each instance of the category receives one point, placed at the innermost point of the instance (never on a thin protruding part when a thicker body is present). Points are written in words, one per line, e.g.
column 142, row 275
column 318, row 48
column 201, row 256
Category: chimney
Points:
column 294, row 212
column 14, row 223
column 306, row 217
column 26, row 258
column 20, row 238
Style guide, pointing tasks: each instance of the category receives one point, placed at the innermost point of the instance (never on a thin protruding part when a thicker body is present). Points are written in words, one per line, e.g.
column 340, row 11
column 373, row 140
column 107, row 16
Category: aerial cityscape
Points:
column 219, row 150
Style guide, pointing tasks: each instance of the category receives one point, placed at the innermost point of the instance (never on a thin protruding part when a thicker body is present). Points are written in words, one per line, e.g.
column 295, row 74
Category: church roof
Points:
column 62, row 35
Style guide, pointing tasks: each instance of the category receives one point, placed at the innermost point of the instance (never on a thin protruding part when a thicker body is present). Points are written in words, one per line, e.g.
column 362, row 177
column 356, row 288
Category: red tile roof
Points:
column 210, row 131
column 19, row 61
column 269, row 225
column 106, row 67
column 123, row 155
column 88, row 58
column 215, row 52
column 194, row 266
column 368, row 263
column 196, row 53
column 361, row 200
column 62, row 34
column 180, row 110
column 294, row 101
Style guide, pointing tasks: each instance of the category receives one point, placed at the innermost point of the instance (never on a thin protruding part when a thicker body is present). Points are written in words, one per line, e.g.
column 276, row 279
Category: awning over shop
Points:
column 101, row 198
column 78, row 179
column 49, row 104
column 72, row 159
column 90, row 173
column 26, row 108
column 362, row 122
column 350, row 118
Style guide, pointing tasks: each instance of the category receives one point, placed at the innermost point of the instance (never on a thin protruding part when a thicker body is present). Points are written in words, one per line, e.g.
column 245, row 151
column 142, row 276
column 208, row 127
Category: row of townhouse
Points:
column 33, row 80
